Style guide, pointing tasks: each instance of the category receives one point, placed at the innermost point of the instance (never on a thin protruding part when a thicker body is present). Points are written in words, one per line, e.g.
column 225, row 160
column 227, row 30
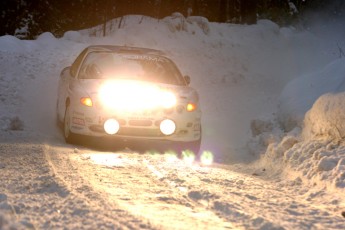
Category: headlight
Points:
column 167, row 127
column 129, row 95
column 111, row 126
column 168, row 99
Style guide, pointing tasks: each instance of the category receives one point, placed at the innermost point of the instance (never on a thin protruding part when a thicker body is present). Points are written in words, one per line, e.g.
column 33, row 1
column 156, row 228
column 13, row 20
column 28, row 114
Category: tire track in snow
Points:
column 176, row 195
column 251, row 202
column 106, row 213
column 134, row 188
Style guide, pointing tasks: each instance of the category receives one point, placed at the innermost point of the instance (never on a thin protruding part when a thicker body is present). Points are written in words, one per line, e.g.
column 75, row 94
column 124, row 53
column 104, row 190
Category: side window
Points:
column 77, row 62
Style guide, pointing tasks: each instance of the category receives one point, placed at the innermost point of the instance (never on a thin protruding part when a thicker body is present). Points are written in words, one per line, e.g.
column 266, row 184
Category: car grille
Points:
column 130, row 131
column 140, row 122
column 139, row 132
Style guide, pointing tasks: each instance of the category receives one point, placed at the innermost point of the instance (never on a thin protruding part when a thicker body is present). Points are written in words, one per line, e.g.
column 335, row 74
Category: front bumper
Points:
column 137, row 126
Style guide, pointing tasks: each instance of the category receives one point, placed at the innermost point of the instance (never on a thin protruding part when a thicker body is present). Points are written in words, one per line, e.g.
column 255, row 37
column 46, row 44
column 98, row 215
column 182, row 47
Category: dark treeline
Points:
column 29, row 18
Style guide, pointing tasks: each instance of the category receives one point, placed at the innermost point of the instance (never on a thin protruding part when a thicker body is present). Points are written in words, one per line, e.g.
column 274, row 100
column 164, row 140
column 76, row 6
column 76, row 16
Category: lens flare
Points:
column 206, row 158
column 152, row 152
column 170, row 156
column 188, row 156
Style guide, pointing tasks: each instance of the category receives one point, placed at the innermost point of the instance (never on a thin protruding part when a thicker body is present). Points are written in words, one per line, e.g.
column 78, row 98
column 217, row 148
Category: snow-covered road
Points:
column 54, row 185
column 35, row 194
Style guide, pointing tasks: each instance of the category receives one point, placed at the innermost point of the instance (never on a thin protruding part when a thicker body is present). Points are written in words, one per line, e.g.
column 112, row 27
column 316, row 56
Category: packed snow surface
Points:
column 273, row 111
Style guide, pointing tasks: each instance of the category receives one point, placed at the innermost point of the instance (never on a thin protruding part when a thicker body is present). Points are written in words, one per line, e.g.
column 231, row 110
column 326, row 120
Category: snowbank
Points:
column 318, row 163
column 301, row 93
column 326, row 118
column 313, row 151
column 11, row 43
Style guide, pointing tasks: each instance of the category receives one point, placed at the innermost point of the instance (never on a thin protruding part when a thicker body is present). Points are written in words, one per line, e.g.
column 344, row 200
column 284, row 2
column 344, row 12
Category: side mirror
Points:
column 65, row 71
column 187, row 79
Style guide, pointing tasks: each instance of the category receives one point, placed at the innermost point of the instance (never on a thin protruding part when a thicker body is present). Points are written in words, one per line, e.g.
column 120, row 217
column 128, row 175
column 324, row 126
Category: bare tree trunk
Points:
column 105, row 18
column 222, row 11
column 248, row 11
column 158, row 5
column 120, row 23
column 104, row 26
column 234, row 11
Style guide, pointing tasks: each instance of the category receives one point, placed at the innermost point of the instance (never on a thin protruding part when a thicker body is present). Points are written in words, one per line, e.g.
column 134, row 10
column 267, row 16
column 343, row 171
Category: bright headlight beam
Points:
column 128, row 95
column 168, row 99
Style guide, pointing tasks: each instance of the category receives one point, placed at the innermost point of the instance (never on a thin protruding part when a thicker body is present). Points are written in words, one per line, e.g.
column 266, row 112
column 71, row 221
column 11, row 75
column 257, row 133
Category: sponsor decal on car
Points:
column 78, row 113
column 145, row 57
column 197, row 127
column 78, row 121
column 77, row 127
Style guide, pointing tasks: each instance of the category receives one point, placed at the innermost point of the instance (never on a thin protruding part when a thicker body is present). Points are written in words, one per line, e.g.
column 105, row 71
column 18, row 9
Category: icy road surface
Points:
column 57, row 185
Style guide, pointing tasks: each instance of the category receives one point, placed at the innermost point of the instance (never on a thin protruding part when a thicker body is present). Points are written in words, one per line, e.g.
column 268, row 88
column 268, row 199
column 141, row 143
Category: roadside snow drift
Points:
column 326, row 118
column 300, row 94
column 314, row 104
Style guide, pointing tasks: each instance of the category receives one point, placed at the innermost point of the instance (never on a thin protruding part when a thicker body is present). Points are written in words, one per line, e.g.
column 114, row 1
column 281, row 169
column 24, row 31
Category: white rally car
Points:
column 128, row 93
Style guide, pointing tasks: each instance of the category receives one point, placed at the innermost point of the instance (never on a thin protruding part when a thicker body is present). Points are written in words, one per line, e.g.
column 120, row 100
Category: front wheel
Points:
column 69, row 136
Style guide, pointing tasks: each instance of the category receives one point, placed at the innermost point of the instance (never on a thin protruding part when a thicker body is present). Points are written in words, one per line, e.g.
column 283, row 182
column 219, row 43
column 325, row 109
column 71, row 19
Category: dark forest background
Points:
column 29, row 18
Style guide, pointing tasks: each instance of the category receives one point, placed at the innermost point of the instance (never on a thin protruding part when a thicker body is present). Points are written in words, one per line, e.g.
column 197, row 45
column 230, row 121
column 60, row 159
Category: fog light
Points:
column 111, row 126
column 167, row 127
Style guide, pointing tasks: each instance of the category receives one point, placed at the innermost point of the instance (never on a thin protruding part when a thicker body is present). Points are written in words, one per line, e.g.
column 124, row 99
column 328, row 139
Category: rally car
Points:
column 130, row 94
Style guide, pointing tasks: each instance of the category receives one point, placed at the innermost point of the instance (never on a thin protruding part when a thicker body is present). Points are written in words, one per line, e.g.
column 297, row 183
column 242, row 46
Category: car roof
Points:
column 124, row 49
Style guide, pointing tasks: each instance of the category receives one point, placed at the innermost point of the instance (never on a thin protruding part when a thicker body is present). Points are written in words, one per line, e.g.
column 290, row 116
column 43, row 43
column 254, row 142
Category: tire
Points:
column 67, row 133
column 59, row 124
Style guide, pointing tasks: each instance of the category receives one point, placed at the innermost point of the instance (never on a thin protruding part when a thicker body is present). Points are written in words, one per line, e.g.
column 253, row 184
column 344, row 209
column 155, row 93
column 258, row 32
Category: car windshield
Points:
column 142, row 67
